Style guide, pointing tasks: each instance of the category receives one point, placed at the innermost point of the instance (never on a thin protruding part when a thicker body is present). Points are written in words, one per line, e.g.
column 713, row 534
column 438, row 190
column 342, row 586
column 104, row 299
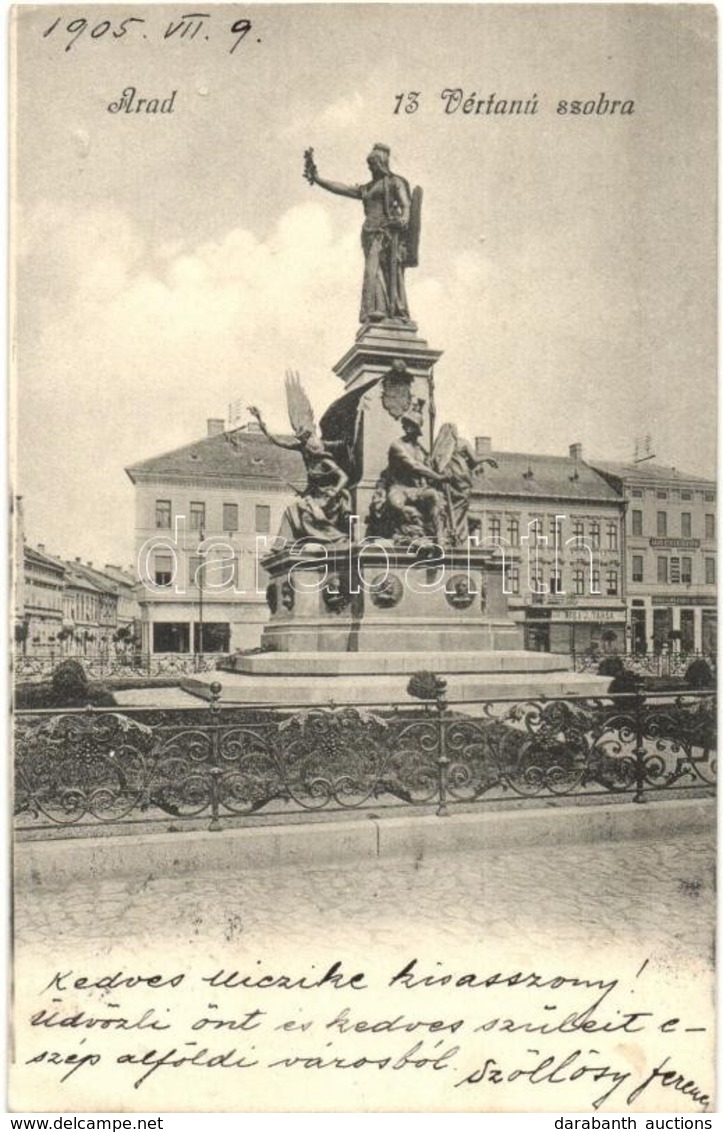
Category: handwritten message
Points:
column 484, row 1038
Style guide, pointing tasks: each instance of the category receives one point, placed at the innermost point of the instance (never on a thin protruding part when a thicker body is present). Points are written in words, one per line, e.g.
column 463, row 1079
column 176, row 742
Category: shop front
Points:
column 577, row 629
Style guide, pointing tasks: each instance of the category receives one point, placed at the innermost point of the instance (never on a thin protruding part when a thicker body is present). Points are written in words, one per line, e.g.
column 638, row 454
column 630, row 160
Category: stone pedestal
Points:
column 388, row 370
column 382, row 598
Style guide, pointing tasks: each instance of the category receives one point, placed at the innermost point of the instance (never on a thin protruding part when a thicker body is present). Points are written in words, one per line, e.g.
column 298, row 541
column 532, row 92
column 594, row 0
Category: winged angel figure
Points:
column 321, row 512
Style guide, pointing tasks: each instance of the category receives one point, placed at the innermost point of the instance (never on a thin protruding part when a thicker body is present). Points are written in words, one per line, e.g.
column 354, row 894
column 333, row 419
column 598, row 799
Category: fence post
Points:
column 215, row 770
column 639, row 747
column 443, row 760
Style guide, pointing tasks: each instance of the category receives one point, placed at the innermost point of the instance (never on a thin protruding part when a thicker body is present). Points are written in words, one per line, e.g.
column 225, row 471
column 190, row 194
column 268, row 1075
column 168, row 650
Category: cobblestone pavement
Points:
column 630, row 895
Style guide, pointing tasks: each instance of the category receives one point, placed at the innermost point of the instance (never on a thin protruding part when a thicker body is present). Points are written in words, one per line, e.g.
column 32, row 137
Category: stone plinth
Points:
column 385, row 598
column 387, row 370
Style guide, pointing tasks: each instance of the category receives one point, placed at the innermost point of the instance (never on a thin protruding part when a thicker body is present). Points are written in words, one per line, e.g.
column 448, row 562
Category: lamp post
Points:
column 198, row 658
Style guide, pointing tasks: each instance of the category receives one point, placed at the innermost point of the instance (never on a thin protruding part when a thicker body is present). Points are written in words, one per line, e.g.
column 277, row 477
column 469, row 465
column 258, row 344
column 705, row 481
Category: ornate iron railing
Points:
column 104, row 768
column 649, row 664
column 27, row 669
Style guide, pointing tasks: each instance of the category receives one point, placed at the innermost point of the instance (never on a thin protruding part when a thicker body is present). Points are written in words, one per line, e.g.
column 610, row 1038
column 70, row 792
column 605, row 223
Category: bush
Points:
column 611, row 666
column 99, row 696
column 699, row 675
column 69, row 687
column 625, row 682
column 70, row 682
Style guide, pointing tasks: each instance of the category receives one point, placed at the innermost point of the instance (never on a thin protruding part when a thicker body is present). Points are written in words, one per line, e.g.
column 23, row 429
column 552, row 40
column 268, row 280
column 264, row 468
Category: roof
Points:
column 649, row 473
column 80, row 576
column 531, row 475
column 41, row 559
column 243, row 456
column 120, row 574
column 97, row 578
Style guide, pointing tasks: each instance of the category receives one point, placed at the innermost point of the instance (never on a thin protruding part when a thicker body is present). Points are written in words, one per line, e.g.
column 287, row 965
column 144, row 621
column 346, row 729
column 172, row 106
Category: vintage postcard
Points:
column 364, row 559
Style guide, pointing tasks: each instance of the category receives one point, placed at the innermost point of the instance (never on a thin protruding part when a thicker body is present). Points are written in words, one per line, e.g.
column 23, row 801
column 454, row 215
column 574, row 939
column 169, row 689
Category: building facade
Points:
column 205, row 516
column 671, row 567
column 558, row 526
column 43, row 592
column 72, row 609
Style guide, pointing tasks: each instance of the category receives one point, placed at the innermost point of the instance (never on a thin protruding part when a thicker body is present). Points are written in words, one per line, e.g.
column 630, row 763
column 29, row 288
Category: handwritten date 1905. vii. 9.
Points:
column 188, row 26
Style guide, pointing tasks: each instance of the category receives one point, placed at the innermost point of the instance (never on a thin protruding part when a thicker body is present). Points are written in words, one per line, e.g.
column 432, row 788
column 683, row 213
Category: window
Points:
column 686, row 524
column 513, row 532
column 198, row 516
column 710, row 571
column 662, row 524
column 663, row 570
column 555, row 584
column 534, row 530
column 578, row 530
column 686, row 495
column 709, row 497
column 637, row 493
column 637, row 523
column 612, row 534
column 637, row 567
column 661, row 495
column 163, row 514
column 171, row 636
column 686, row 570
column 495, row 525
column 263, row 518
column 513, row 579
column 230, row 516
column 212, row 636
column 554, row 529
column 595, row 582
column 578, row 579
column 710, row 526
column 594, row 535
column 611, row 583
column 163, row 569
column 675, row 571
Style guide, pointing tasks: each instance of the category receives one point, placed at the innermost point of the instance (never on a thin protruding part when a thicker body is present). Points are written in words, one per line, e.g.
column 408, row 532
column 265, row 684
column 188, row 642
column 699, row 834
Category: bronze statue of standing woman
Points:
column 390, row 233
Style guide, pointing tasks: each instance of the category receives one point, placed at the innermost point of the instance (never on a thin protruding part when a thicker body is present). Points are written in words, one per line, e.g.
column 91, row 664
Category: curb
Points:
column 40, row 864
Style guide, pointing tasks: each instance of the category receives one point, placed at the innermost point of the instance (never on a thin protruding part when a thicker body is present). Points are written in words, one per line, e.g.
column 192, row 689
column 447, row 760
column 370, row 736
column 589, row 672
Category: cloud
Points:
column 345, row 112
column 125, row 353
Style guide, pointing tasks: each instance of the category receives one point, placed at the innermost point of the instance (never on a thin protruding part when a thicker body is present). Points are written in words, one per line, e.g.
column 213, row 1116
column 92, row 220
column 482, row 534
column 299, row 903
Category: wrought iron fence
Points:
column 98, row 768
column 648, row 664
column 27, row 669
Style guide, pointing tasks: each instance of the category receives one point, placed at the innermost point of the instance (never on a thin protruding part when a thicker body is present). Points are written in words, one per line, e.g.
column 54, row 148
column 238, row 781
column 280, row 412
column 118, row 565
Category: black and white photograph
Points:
column 363, row 559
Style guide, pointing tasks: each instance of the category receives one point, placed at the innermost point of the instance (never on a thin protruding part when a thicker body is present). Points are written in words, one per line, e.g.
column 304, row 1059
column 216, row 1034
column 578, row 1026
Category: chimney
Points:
column 482, row 445
column 215, row 426
column 77, row 559
column 576, row 451
column 41, row 547
column 89, row 564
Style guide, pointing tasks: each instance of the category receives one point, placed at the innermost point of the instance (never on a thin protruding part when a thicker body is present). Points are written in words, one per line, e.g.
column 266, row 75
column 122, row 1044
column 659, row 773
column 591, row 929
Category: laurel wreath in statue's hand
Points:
column 310, row 170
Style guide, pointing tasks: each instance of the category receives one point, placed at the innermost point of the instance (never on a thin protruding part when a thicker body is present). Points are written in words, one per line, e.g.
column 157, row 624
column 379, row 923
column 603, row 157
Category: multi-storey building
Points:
column 584, row 567
column 558, row 525
column 126, row 582
column 43, row 589
column 73, row 608
column 205, row 515
column 671, row 555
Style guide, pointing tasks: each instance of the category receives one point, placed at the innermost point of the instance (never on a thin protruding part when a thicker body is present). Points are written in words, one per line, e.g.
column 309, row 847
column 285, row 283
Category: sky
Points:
column 166, row 265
